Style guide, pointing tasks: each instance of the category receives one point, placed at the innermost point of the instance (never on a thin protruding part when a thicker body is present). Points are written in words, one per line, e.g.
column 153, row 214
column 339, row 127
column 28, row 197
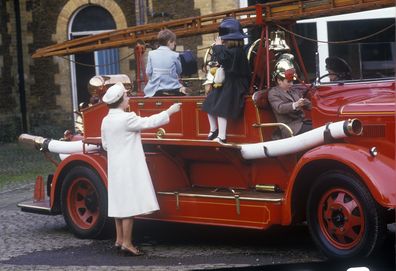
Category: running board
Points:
column 226, row 194
column 269, row 197
column 221, row 206
column 37, row 207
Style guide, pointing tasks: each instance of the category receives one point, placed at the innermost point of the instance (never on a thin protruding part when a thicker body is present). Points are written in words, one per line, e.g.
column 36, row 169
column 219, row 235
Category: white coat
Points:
column 130, row 189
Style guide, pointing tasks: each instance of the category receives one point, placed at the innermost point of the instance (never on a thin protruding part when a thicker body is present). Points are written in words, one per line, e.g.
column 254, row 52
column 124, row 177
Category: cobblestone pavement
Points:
column 38, row 242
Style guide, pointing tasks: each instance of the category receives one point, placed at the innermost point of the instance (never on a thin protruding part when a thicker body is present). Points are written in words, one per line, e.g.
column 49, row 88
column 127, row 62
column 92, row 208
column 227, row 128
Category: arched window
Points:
column 90, row 20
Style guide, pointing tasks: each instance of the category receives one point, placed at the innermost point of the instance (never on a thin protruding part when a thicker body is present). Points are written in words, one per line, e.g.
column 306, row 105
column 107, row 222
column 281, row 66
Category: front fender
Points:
column 95, row 160
column 377, row 173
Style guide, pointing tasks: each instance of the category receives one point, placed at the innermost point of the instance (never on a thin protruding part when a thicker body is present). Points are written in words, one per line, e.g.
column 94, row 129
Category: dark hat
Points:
column 231, row 29
column 188, row 62
column 337, row 65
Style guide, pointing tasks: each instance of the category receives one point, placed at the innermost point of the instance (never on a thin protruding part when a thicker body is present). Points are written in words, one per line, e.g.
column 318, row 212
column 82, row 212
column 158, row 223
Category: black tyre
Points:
column 343, row 218
column 84, row 202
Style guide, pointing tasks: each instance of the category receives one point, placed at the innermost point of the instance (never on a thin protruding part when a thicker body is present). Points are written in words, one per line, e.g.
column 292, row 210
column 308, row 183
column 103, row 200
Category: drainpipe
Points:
column 142, row 10
column 21, row 76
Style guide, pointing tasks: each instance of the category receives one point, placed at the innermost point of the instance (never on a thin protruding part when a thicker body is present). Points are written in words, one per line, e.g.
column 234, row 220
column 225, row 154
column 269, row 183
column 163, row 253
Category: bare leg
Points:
column 119, row 232
column 127, row 227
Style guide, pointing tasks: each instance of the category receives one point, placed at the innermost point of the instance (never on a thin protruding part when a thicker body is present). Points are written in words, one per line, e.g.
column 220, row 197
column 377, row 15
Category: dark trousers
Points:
column 168, row 92
column 307, row 126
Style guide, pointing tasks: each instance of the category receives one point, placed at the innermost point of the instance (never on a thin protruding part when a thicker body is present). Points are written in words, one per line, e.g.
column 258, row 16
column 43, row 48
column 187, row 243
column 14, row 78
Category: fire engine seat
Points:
column 267, row 117
column 260, row 99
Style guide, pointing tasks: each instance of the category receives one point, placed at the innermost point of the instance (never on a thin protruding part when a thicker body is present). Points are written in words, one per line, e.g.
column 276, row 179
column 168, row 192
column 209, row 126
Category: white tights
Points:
column 222, row 125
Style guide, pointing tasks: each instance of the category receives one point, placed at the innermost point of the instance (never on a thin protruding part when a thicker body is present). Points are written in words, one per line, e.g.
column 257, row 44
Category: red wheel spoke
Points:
column 355, row 221
column 83, row 191
column 86, row 216
column 340, row 236
column 79, row 204
column 330, row 202
column 340, row 198
column 331, row 227
column 350, row 206
column 351, row 234
column 327, row 214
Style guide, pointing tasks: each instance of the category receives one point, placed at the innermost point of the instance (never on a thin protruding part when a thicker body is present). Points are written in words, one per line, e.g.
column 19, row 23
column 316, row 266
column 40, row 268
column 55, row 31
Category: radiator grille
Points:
column 374, row 130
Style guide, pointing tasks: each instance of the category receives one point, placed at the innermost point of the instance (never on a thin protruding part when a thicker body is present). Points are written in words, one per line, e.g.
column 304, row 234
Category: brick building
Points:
column 39, row 95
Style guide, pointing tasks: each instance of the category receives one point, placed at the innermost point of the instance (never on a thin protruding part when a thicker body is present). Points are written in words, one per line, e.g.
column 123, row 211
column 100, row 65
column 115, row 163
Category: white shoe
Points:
column 219, row 140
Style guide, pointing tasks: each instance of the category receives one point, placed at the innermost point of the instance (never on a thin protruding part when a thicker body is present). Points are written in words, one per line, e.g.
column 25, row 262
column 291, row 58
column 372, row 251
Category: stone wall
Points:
column 10, row 119
column 47, row 81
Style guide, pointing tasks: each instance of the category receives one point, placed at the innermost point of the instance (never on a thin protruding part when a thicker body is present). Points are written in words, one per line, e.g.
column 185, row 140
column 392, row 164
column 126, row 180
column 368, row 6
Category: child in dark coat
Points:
column 228, row 100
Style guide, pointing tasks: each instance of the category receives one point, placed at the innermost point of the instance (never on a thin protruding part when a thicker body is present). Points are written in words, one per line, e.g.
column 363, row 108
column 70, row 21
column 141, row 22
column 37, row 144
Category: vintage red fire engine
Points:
column 339, row 177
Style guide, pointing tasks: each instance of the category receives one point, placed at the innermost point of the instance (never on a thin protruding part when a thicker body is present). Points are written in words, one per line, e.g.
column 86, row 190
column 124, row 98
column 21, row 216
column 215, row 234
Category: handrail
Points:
column 274, row 124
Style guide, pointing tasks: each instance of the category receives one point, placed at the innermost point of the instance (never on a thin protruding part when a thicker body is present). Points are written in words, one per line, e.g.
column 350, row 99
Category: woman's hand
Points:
column 218, row 41
column 173, row 108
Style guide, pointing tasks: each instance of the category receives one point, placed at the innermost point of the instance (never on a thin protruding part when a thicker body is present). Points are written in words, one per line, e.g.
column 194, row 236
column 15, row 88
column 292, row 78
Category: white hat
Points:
column 114, row 93
column 96, row 81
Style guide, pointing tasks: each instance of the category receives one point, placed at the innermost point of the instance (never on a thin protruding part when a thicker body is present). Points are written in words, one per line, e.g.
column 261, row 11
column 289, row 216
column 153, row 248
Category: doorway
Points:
column 90, row 20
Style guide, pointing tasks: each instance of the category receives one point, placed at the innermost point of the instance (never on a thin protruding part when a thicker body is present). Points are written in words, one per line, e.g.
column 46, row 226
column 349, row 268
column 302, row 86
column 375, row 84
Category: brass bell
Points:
column 278, row 42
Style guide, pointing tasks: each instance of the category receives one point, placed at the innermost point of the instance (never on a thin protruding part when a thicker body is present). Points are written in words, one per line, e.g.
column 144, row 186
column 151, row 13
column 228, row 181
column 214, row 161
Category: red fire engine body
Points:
column 339, row 177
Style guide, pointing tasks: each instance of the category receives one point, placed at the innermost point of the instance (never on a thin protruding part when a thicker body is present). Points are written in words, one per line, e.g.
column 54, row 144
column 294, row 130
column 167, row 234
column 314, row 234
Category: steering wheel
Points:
column 326, row 75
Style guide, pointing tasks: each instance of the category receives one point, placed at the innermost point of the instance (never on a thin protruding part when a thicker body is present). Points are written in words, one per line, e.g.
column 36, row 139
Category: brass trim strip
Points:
column 244, row 204
column 177, row 200
column 238, row 204
column 193, row 79
column 24, row 205
column 368, row 113
column 365, row 112
column 259, row 121
column 214, row 143
column 232, row 197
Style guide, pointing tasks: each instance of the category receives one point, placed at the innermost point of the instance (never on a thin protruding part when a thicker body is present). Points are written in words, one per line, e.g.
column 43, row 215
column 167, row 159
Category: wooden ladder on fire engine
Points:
column 249, row 16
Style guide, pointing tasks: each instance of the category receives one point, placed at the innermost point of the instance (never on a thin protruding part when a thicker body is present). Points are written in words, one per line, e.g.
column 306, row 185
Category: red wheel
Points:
column 340, row 218
column 344, row 219
column 84, row 202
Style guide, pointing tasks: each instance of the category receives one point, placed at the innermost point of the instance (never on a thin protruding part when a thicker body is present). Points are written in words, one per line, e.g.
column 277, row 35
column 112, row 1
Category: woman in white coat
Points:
column 130, row 190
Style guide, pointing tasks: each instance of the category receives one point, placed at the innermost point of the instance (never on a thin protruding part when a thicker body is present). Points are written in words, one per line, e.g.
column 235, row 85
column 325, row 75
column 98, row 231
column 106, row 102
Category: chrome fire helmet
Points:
column 231, row 29
column 284, row 68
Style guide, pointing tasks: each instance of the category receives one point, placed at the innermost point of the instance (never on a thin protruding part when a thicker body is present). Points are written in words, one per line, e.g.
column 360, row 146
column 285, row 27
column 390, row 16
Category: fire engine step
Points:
column 37, row 207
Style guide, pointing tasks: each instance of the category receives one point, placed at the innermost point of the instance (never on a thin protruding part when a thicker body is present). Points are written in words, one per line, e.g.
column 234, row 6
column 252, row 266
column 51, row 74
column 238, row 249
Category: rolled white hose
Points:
column 300, row 142
column 63, row 156
column 68, row 147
